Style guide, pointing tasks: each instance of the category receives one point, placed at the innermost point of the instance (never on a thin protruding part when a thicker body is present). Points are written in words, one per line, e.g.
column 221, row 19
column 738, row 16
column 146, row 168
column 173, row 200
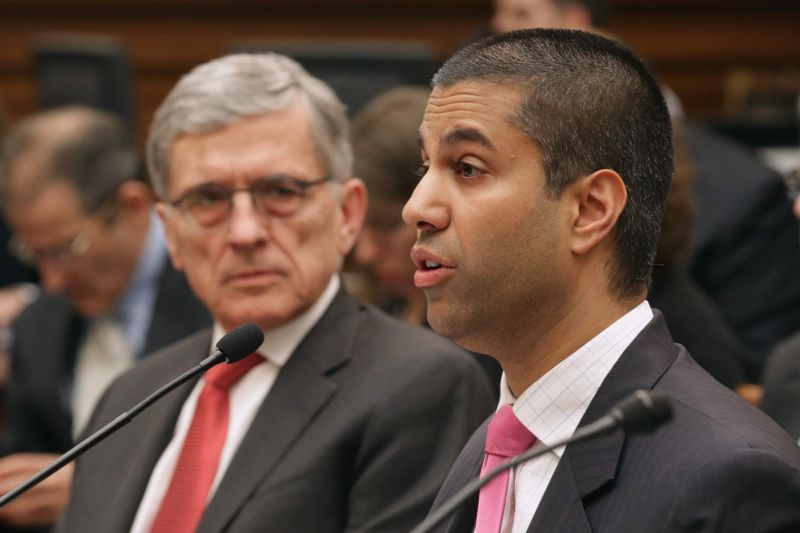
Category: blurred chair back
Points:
column 81, row 69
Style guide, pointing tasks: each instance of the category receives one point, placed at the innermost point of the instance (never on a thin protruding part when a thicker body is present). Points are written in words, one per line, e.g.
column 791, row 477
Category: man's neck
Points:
column 580, row 323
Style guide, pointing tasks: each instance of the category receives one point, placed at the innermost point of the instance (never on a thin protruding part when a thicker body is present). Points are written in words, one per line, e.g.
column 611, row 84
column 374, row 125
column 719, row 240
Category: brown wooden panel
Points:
column 693, row 44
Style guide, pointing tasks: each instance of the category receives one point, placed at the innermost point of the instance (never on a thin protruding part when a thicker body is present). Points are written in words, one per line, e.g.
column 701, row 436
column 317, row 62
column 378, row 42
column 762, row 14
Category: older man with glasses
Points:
column 344, row 419
column 82, row 215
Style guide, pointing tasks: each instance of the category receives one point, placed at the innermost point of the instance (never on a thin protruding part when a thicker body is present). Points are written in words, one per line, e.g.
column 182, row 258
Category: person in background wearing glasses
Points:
column 82, row 215
column 344, row 419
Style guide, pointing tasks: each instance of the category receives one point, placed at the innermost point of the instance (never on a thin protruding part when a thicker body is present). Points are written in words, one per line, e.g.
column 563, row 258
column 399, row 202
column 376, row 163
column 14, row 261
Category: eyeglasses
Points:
column 64, row 255
column 210, row 204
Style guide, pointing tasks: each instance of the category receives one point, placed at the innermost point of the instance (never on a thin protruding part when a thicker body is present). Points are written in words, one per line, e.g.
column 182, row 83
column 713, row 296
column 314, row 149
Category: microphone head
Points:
column 240, row 342
column 642, row 411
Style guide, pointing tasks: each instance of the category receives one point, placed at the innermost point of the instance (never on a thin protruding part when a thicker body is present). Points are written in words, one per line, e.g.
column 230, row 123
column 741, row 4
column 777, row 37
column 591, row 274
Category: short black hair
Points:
column 588, row 104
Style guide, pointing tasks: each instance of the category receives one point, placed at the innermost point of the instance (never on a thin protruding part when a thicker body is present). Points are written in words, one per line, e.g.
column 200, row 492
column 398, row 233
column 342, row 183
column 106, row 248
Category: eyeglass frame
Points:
column 303, row 185
column 66, row 254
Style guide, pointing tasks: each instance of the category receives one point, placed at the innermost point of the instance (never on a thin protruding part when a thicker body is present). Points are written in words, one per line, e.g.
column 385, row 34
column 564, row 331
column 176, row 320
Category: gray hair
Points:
column 221, row 92
column 90, row 149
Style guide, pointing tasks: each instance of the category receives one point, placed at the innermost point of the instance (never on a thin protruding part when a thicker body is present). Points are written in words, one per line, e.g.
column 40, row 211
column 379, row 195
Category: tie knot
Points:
column 507, row 436
column 224, row 376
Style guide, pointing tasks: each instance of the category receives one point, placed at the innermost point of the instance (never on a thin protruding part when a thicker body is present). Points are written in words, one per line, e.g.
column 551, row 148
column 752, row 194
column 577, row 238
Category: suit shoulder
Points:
column 706, row 411
column 744, row 490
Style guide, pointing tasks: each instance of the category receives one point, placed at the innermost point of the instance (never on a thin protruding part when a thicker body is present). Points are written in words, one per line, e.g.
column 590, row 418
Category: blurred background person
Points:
column 16, row 288
column 782, row 376
column 387, row 157
column 81, row 212
column 693, row 318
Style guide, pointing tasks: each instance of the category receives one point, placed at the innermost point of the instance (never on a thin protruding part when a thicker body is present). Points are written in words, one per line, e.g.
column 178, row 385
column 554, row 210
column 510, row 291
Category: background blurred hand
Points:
column 42, row 504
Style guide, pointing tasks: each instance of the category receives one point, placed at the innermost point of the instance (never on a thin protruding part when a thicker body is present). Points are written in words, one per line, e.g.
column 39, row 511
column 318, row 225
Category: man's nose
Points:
column 247, row 227
column 52, row 276
column 427, row 207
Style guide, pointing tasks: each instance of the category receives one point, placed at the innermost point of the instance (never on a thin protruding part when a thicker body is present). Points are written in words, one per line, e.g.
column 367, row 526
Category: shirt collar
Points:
column 147, row 269
column 553, row 405
column 280, row 343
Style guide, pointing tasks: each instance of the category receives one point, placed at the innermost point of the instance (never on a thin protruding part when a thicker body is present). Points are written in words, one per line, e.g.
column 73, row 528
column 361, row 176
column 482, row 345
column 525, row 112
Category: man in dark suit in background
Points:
column 81, row 213
column 548, row 160
column 346, row 419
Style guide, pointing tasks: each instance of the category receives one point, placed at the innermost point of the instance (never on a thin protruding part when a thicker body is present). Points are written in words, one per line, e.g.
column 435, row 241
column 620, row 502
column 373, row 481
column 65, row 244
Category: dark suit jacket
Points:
column 745, row 252
column 718, row 465
column 46, row 339
column 356, row 434
column 696, row 322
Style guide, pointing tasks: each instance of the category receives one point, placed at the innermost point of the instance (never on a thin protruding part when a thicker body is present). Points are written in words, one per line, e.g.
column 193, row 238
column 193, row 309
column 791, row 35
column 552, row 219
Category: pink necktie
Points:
column 505, row 438
column 185, row 500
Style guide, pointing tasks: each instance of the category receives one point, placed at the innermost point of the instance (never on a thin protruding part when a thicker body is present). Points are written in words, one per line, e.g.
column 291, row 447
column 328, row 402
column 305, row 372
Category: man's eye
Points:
column 467, row 170
column 204, row 199
column 278, row 190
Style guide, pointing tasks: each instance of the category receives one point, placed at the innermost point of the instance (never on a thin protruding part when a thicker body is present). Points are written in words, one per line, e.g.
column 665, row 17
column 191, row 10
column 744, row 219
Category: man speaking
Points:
column 344, row 419
column 547, row 160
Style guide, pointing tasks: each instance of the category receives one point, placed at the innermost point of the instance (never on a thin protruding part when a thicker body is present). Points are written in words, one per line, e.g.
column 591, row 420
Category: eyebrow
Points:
column 459, row 135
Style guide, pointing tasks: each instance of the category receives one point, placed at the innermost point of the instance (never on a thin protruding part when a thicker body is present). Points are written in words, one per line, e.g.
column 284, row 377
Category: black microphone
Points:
column 640, row 412
column 234, row 346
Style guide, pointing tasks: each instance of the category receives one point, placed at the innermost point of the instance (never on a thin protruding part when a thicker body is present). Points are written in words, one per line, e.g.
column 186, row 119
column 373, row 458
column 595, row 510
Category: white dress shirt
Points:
column 246, row 395
column 115, row 340
column 552, row 407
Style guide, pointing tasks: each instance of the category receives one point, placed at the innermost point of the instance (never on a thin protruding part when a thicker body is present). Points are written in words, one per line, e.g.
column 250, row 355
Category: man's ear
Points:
column 599, row 199
column 353, row 208
column 134, row 197
column 577, row 17
column 167, row 215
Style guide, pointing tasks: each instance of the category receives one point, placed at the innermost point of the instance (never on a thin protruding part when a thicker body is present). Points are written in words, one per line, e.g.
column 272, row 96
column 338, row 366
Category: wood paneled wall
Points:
column 692, row 44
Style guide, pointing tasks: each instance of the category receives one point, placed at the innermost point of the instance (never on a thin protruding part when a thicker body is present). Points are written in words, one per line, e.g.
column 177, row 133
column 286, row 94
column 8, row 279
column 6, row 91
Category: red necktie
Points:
column 505, row 438
column 185, row 500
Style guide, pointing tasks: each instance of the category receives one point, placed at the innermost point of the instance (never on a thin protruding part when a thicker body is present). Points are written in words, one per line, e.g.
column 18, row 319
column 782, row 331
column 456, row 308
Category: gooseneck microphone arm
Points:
column 641, row 412
column 237, row 344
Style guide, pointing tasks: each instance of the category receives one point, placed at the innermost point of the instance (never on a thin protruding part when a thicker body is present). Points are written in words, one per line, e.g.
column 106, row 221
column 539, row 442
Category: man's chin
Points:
column 454, row 327
column 265, row 318
column 90, row 307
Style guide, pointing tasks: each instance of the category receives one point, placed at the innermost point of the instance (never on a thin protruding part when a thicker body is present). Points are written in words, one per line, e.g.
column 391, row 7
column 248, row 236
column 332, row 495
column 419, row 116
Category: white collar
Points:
column 553, row 405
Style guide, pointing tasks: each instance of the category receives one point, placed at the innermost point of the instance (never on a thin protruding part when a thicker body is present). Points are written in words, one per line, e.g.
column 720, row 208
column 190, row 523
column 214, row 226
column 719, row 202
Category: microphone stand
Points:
column 99, row 435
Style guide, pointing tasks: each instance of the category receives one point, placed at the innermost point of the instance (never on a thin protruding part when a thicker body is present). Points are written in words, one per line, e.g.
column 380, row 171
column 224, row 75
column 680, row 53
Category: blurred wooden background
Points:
column 694, row 45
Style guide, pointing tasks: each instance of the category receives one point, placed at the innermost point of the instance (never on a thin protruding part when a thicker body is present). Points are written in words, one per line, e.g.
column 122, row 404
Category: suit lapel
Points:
column 300, row 392
column 588, row 466
column 466, row 468
column 154, row 429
